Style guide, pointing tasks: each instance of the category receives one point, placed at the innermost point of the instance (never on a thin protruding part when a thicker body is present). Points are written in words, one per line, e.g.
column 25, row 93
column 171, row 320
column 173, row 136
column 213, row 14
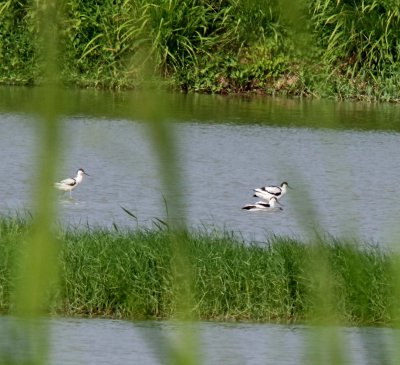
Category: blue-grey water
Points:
column 218, row 343
column 344, row 180
column 104, row 341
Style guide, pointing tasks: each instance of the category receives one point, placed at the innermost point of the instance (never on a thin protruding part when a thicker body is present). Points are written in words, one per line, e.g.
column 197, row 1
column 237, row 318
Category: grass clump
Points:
column 121, row 275
column 129, row 275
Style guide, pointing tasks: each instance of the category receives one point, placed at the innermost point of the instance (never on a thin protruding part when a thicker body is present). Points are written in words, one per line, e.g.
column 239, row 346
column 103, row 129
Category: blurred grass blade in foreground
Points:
column 162, row 135
column 37, row 262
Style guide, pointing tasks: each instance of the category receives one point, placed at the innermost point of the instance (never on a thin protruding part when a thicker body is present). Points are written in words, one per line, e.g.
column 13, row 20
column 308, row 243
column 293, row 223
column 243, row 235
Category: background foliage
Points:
column 324, row 47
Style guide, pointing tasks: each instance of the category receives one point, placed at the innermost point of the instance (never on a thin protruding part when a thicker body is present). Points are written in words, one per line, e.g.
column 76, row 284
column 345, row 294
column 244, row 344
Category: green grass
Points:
column 359, row 43
column 129, row 275
column 323, row 48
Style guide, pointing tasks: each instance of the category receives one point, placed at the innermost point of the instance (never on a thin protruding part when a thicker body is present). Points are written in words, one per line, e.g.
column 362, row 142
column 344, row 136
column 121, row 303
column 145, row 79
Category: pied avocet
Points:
column 271, row 205
column 71, row 182
column 268, row 192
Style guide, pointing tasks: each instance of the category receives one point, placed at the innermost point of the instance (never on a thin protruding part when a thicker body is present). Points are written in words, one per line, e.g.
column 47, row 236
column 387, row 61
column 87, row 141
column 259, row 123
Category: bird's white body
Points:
column 262, row 205
column 70, row 183
column 268, row 192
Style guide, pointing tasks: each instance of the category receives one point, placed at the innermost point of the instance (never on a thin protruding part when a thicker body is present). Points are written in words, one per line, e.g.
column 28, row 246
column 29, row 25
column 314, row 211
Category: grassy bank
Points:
column 322, row 48
column 130, row 275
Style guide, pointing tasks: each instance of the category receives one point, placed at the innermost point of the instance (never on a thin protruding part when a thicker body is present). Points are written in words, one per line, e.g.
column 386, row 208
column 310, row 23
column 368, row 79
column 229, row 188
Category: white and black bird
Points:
column 268, row 192
column 262, row 205
column 71, row 182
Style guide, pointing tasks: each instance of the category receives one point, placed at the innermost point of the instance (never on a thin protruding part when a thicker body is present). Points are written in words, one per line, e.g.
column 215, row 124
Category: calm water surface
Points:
column 78, row 342
column 97, row 341
column 344, row 180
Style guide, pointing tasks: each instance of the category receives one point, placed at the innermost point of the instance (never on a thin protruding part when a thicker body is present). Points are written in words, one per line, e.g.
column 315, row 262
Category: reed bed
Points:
column 128, row 274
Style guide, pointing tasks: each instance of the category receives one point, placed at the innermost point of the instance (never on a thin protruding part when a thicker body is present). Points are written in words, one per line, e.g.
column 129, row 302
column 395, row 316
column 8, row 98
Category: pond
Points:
column 340, row 158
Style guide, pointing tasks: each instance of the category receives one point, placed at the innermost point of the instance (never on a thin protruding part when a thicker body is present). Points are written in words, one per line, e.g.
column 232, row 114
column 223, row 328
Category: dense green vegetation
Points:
column 345, row 49
column 129, row 275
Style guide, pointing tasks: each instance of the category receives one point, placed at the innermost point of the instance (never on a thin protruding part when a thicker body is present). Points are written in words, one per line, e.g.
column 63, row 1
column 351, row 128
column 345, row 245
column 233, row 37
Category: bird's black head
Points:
column 83, row 171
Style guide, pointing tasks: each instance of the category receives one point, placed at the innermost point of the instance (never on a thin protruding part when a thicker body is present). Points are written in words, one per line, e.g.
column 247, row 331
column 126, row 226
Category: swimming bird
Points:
column 71, row 182
column 268, row 192
column 261, row 205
